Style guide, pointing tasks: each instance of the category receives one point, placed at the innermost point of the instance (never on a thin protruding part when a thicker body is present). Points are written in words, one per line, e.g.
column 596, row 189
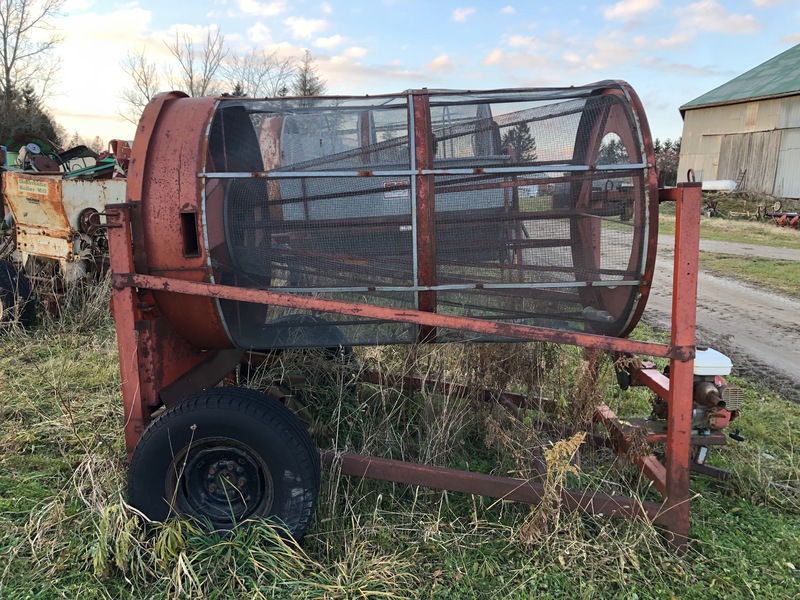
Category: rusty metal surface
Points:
column 710, row 471
column 684, row 314
column 652, row 202
column 168, row 295
column 167, row 186
column 47, row 210
column 425, row 222
column 181, row 288
column 152, row 356
column 215, row 366
column 492, row 486
column 587, row 293
column 124, row 308
column 652, row 378
column 650, row 465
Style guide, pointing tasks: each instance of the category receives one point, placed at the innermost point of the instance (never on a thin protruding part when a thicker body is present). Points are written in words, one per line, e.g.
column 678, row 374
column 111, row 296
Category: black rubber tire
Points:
column 16, row 304
column 230, row 431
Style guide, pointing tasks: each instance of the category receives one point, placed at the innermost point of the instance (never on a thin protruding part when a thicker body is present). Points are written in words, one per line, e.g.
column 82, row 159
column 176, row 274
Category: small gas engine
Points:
column 716, row 403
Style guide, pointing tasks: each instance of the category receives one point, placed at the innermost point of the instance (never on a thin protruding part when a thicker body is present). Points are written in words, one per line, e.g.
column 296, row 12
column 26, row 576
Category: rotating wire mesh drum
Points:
column 531, row 206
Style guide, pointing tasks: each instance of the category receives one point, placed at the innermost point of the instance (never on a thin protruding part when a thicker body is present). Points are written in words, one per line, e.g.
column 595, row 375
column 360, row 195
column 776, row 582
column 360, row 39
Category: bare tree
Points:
column 259, row 73
column 307, row 81
column 145, row 83
column 97, row 144
column 26, row 57
column 197, row 68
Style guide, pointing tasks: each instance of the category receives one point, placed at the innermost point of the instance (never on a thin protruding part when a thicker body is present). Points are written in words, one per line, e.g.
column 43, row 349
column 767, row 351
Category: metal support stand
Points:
column 145, row 337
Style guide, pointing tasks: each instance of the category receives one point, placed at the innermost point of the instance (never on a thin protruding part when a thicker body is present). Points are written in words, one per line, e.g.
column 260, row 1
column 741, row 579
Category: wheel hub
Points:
column 224, row 483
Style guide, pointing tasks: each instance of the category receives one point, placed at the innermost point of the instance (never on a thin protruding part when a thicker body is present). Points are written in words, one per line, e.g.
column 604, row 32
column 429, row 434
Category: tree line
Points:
column 27, row 66
column 668, row 153
column 29, row 63
column 209, row 68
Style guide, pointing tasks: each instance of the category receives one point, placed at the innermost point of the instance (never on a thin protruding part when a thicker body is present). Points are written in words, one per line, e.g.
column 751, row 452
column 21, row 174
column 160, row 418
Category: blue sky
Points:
column 670, row 51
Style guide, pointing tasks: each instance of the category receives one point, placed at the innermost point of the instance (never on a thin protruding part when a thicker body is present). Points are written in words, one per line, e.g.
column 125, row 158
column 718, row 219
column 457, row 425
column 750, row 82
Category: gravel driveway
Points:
column 758, row 328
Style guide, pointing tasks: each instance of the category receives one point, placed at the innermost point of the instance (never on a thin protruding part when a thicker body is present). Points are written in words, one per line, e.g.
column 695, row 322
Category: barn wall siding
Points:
column 789, row 117
column 787, row 176
column 755, row 154
column 762, row 137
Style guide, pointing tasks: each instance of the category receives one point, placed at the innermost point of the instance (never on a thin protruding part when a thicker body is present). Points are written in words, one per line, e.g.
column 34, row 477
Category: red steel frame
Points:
column 158, row 367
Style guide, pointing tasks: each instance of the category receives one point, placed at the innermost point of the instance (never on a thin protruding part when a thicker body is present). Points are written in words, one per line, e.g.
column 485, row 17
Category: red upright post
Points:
column 681, row 375
column 124, row 308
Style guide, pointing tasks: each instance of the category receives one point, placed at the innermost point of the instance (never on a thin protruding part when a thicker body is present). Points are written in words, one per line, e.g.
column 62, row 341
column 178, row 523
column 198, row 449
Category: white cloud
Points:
column 705, row 16
column 508, row 10
column 523, row 41
column 344, row 76
column 603, row 53
column 688, row 69
column 792, row 38
column 679, row 37
column 708, row 15
column 79, row 103
column 494, row 57
column 73, row 5
column 355, row 52
column 629, row 9
column 259, row 33
column 765, row 3
column 462, row 14
column 303, row 28
column 329, row 42
column 196, row 33
column 124, row 27
column 327, row 8
column 440, row 63
column 264, row 9
column 573, row 58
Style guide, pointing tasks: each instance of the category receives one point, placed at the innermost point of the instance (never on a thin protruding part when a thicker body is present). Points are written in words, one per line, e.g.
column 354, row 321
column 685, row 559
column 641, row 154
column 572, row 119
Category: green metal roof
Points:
column 778, row 76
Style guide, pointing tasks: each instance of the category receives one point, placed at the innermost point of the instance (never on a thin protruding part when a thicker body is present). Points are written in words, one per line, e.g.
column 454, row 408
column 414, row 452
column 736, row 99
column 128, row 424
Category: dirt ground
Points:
column 759, row 329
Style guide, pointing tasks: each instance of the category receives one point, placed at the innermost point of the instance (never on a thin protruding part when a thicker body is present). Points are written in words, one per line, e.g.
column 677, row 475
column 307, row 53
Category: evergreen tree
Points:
column 28, row 64
column 612, row 151
column 668, row 154
column 307, row 81
column 238, row 91
column 520, row 143
column 27, row 118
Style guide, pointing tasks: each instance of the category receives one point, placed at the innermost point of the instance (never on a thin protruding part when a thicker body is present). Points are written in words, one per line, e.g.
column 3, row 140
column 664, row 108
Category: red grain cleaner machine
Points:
column 426, row 216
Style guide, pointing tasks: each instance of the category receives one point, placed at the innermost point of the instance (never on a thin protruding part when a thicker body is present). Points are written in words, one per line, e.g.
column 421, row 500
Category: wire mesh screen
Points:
column 525, row 206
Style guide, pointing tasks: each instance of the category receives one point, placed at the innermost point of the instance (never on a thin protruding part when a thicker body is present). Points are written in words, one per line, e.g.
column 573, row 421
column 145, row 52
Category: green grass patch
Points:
column 65, row 530
column 736, row 221
column 746, row 232
column 782, row 276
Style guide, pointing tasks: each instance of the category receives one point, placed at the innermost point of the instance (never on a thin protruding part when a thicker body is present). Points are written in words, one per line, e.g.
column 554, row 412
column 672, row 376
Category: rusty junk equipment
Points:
column 426, row 216
column 783, row 218
column 57, row 219
column 52, row 230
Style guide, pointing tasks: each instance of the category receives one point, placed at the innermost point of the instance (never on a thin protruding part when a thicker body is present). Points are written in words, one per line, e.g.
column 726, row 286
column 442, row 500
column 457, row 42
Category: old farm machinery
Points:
column 51, row 226
column 256, row 225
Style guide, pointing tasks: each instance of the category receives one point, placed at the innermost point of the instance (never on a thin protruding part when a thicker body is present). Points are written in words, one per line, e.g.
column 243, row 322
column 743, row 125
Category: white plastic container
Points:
column 708, row 361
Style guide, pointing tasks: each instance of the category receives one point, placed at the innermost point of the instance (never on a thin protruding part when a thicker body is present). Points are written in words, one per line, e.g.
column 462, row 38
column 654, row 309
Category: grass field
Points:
column 66, row 532
column 745, row 229
column 782, row 276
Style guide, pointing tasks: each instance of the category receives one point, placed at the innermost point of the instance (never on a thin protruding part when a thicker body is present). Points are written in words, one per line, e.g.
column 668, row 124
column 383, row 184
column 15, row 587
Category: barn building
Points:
column 748, row 130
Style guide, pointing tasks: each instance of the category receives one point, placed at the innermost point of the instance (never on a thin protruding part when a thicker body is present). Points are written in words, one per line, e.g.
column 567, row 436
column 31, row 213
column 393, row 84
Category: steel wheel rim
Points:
column 221, row 480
